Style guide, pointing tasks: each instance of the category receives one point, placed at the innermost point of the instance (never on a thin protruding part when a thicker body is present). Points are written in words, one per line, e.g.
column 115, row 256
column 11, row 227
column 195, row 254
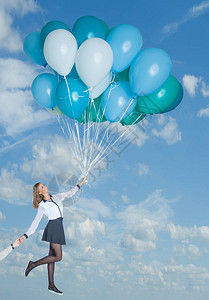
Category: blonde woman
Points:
column 52, row 207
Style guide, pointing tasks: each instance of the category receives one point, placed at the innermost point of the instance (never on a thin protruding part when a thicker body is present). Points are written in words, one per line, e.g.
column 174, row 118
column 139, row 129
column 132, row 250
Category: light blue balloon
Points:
column 149, row 71
column 89, row 27
column 118, row 101
column 51, row 26
column 177, row 100
column 33, row 49
column 125, row 41
column 72, row 97
column 44, row 89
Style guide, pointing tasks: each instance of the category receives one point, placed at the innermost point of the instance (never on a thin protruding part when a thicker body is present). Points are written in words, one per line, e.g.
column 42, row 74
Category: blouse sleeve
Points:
column 36, row 221
column 5, row 252
column 60, row 197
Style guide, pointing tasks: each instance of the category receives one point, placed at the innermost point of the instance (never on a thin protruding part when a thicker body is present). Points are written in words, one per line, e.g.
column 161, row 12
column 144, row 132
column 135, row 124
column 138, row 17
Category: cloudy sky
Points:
column 140, row 227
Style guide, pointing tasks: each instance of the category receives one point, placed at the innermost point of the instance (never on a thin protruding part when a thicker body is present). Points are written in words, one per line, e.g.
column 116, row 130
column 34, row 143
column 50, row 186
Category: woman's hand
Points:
column 22, row 238
column 16, row 243
column 83, row 181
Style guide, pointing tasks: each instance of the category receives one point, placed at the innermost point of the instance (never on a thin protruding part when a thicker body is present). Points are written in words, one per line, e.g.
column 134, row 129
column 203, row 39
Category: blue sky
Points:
column 140, row 229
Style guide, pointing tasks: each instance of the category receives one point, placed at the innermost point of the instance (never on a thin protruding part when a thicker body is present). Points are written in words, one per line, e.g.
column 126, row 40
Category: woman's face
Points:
column 42, row 189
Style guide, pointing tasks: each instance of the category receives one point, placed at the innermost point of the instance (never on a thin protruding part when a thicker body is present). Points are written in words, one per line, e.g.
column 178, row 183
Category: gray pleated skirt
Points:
column 54, row 232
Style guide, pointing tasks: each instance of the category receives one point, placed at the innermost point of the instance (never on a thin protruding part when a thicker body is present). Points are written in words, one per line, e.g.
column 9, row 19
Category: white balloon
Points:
column 60, row 48
column 101, row 87
column 94, row 61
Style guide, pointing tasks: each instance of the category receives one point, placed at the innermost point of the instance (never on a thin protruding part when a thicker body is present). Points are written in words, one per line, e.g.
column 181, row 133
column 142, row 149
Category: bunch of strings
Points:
column 91, row 142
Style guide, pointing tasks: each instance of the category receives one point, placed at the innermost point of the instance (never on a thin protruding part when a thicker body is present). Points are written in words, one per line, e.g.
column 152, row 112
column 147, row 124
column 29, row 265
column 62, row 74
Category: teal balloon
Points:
column 135, row 117
column 118, row 101
column 176, row 101
column 89, row 27
column 160, row 100
column 149, row 71
column 72, row 97
column 51, row 26
column 93, row 112
column 125, row 41
column 33, row 49
column 122, row 76
column 44, row 89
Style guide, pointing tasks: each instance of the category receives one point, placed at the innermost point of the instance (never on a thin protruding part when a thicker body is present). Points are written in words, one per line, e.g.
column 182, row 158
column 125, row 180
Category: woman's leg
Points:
column 50, row 267
column 54, row 255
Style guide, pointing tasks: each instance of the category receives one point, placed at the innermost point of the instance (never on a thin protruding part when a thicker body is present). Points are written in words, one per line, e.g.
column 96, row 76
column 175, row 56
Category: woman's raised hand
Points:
column 83, row 181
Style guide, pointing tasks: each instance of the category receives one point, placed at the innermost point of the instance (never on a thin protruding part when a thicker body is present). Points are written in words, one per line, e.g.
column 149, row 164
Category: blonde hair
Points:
column 37, row 198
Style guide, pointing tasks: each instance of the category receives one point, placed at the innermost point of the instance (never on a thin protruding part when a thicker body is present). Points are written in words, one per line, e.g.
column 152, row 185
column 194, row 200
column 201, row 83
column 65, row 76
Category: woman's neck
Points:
column 46, row 196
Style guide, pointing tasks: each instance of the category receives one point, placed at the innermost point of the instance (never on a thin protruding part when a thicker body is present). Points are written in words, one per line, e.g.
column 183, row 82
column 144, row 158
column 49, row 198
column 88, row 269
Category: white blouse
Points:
column 5, row 252
column 53, row 209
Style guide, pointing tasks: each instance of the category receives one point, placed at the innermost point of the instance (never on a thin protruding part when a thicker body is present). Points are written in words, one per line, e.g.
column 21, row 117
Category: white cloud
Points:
column 170, row 132
column 143, row 221
column 143, row 169
column 194, row 12
column 205, row 89
column 10, row 39
column 182, row 233
column 128, row 135
column 125, row 199
column 186, row 250
column 94, row 208
column 135, row 244
column 18, row 113
column 51, row 156
column 2, row 217
column 203, row 112
column 191, row 83
column 14, row 190
column 16, row 74
column 80, row 233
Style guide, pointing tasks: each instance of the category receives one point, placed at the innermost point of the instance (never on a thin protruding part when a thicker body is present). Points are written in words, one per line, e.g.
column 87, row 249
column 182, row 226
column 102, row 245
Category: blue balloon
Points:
column 118, row 101
column 149, row 71
column 89, row 27
column 33, row 49
column 72, row 97
column 44, row 89
column 125, row 41
column 72, row 74
column 177, row 100
column 51, row 26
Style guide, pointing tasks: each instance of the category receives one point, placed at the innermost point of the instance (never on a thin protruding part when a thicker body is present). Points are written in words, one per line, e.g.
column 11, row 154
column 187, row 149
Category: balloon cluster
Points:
column 101, row 73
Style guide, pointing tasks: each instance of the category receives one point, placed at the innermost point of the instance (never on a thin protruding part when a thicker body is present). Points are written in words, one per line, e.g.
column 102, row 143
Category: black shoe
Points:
column 29, row 268
column 53, row 289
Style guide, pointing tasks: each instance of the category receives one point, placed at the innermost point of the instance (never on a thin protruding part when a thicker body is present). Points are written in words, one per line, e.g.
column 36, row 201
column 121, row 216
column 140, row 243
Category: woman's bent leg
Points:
column 56, row 256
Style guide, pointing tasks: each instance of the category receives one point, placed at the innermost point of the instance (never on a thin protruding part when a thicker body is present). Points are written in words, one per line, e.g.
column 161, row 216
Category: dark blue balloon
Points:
column 118, row 101
column 125, row 41
column 149, row 71
column 72, row 97
column 51, row 26
column 33, row 49
column 89, row 27
column 44, row 89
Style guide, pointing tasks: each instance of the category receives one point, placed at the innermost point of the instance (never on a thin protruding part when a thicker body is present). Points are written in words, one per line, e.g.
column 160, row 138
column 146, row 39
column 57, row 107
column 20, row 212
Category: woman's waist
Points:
column 56, row 219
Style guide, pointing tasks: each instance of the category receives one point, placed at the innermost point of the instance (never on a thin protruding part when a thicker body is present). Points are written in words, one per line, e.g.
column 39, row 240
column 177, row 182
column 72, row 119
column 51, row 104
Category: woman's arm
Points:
column 61, row 196
column 34, row 224
column 8, row 250
column 5, row 252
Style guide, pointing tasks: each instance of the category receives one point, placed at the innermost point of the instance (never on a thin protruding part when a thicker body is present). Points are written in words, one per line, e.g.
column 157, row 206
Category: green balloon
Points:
column 135, row 117
column 160, row 100
column 122, row 76
column 93, row 112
